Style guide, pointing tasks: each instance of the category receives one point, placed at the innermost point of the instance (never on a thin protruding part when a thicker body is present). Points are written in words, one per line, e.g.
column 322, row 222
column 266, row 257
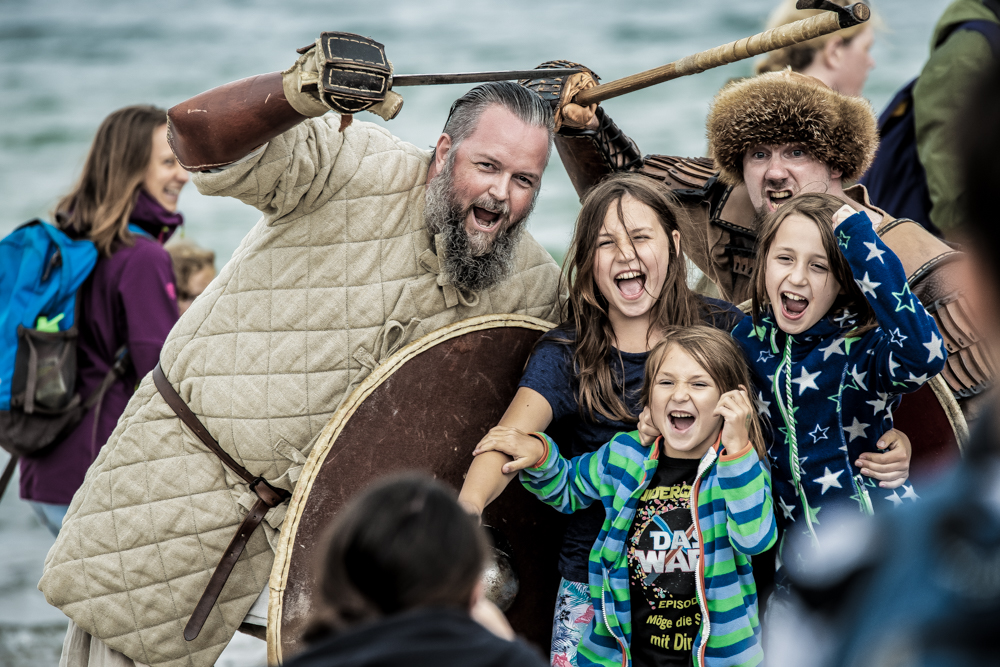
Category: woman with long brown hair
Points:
column 582, row 383
column 125, row 201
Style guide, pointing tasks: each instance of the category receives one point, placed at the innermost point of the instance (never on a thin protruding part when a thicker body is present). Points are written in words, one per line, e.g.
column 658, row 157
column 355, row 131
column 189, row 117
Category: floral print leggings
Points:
column 574, row 611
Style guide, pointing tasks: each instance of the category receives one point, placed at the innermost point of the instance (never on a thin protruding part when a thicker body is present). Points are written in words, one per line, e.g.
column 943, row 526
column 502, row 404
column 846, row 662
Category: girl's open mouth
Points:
column 631, row 283
column 681, row 421
column 793, row 305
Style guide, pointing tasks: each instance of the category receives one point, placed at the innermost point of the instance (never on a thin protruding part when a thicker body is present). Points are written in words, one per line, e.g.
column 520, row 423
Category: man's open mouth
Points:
column 486, row 219
column 631, row 283
column 778, row 197
column 681, row 421
column 793, row 305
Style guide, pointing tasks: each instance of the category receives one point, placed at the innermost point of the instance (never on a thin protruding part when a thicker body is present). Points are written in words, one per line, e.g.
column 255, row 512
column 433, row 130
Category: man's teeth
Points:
column 784, row 194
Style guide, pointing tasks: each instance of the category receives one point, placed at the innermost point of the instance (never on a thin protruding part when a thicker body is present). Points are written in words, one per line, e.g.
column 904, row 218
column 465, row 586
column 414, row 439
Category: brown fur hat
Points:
column 786, row 107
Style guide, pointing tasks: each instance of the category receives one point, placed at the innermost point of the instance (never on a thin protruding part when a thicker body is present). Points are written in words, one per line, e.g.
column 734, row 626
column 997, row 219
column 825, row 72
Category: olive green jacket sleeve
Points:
column 939, row 97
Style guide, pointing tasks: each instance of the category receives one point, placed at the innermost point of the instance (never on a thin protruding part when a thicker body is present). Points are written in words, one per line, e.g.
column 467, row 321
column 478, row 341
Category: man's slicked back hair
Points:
column 523, row 103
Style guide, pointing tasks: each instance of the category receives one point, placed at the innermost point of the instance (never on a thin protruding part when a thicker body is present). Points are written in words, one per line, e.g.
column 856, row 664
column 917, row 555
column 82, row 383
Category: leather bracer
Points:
column 934, row 272
column 222, row 125
column 590, row 155
column 722, row 250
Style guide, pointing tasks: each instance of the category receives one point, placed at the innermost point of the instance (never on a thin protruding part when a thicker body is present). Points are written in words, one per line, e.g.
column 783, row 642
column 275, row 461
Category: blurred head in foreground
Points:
column 402, row 544
column 841, row 59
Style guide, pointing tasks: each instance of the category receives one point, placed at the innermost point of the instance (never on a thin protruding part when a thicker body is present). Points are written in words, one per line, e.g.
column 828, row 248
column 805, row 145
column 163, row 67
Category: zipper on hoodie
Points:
column 700, row 579
column 604, row 612
column 604, row 571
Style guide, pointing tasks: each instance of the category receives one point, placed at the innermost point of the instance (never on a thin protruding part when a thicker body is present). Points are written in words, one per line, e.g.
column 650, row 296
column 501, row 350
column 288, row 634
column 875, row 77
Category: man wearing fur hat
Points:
column 770, row 137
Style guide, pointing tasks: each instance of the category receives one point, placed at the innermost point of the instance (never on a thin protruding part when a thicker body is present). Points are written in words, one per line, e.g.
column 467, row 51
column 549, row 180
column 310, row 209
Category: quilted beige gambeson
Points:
column 339, row 273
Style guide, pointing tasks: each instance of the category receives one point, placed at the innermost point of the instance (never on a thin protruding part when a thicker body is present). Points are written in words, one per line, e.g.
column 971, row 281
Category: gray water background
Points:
column 66, row 64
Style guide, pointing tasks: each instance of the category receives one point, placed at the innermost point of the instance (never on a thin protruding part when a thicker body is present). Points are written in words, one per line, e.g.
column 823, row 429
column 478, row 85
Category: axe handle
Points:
column 748, row 47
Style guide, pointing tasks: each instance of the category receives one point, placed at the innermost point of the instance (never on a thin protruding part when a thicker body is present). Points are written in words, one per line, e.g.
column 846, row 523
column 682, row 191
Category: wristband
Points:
column 545, row 453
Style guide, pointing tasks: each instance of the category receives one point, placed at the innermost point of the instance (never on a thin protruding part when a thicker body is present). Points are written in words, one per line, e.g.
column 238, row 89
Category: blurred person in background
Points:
column 923, row 586
column 841, row 59
column 915, row 173
column 401, row 583
column 965, row 44
column 194, row 268
column 125, row 201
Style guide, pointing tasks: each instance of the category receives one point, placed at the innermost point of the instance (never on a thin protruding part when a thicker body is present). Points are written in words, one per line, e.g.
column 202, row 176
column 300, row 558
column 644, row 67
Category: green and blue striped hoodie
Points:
column 734, row 520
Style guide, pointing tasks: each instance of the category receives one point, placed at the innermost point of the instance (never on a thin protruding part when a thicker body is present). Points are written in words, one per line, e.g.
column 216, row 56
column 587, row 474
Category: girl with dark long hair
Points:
column 581, row 386
column 125, row 201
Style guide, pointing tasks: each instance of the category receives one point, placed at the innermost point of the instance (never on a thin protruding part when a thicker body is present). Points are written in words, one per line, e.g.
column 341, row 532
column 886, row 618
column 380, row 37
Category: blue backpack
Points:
column 896, row 181
column 41, row 275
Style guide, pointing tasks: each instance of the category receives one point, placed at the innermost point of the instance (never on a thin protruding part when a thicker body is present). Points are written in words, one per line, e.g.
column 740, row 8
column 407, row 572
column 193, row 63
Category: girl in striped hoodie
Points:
column 670, row 574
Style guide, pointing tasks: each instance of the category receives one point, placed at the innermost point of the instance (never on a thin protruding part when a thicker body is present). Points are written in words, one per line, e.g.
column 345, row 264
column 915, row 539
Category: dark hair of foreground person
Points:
column 398, row 578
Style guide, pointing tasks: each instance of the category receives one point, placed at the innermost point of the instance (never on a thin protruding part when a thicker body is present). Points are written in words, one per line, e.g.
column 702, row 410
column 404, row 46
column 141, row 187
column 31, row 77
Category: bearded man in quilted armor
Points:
column 770, row 137
column 366, row 243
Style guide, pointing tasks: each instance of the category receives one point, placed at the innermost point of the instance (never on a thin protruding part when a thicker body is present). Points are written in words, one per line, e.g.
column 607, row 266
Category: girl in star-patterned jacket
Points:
column 835, row 337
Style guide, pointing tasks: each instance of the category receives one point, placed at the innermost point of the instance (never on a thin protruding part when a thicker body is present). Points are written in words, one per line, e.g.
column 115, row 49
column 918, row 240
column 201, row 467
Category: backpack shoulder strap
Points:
column 988, row 29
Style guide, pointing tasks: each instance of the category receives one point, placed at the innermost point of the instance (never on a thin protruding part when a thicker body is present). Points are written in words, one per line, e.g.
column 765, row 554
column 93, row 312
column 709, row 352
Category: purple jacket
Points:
column 130, row 299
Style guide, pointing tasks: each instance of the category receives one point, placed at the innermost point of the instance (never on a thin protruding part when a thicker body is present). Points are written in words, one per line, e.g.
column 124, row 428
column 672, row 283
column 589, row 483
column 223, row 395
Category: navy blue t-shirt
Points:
column 550, row 373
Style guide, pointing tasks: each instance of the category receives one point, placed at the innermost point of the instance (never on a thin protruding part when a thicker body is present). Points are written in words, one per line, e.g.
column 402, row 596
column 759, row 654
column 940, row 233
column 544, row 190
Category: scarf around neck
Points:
column 151, row 217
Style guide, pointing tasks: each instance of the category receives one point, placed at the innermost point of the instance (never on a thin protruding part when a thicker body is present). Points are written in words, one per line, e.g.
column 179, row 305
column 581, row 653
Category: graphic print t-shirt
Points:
column 663, row 553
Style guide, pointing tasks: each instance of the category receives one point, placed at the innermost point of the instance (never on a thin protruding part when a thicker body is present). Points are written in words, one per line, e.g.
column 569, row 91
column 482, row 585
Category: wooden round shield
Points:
column 936, row 426
column 424, row 408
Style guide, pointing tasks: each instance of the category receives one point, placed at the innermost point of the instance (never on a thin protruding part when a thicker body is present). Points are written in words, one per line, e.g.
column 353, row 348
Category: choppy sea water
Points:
column 65, row 64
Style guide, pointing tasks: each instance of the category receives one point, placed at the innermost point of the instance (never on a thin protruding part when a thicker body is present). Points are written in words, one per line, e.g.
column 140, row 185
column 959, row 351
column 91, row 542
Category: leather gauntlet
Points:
column 589, row 143
column 344, row 72
column 560, row 91
column 590, row 155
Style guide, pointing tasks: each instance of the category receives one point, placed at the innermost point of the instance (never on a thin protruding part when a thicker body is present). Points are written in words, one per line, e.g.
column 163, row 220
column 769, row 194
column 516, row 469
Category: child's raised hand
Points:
column 844, row 212
column 736, row 408
column 523, row 448
column 647, row 432
column 891, row 466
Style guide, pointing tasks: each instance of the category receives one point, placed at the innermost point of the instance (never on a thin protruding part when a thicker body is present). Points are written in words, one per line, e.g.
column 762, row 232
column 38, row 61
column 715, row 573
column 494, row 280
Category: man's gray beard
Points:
column 470, row 261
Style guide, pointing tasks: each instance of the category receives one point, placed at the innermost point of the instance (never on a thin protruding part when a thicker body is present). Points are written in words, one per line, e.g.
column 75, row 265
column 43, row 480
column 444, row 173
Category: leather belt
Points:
column 267, row 497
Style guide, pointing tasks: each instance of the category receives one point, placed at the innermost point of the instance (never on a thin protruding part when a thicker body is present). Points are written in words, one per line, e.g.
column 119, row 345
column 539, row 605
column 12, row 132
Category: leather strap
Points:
column 8, row 472
column 268, row 497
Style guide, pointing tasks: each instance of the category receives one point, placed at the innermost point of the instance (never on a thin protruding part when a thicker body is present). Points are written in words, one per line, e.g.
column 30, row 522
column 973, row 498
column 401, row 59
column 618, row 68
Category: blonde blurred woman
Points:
column 841, row 60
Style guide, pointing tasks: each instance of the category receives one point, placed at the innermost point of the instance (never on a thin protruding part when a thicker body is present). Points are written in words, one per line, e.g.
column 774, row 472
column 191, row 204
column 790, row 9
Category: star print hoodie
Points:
column 829, row 395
